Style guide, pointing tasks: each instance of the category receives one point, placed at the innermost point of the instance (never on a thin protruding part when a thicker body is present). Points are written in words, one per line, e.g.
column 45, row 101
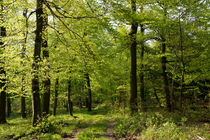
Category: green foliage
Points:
column 46, row 125
column 159, row 126
column 170, row 130
column 135, row 124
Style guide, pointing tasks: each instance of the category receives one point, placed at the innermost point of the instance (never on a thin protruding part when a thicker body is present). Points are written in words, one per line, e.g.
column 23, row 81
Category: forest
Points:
column 104, row 70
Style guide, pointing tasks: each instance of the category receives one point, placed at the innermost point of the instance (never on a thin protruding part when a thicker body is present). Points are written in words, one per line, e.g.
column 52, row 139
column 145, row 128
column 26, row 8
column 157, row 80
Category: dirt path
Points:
column 76, row 132
column 109, row 134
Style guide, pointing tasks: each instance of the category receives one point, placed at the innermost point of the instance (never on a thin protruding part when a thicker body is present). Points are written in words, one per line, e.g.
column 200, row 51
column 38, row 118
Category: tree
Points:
column 36, row 106
column 23, row 100
column 70, row 104
column 133, row 44
column 89, row 92
column 56, row 96
column 141, row 75
column 46, row 81
column 2, row 72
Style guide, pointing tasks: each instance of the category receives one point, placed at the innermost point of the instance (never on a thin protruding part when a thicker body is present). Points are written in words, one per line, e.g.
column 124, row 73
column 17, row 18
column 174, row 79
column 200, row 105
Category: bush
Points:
column 46, row 125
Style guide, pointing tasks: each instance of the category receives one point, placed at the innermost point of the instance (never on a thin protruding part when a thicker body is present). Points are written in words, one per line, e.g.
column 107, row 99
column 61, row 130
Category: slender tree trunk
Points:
column 8, row 106
column 173, row 100
column 23, row 107
column 70, row 104
column 36, row 106
column 142, row 94
column 56, row 96
column 23, row 102
column 46, row 81
column 164, row 73
column 89, row 92
column 2, row 76
column 165, row 78
column 182, row 63
column 133, row 81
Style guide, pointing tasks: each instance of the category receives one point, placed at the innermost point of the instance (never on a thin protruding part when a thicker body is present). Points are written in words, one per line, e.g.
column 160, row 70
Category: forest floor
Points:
column 85, row 125
column 102, row 125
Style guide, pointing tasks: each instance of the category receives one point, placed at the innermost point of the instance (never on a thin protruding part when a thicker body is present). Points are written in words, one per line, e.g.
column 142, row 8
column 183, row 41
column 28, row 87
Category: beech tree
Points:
column 133, row 82
column 36, row 105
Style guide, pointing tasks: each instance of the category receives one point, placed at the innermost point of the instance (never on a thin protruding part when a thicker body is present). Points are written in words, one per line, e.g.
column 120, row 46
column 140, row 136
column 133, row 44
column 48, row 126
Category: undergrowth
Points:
column 160, row 126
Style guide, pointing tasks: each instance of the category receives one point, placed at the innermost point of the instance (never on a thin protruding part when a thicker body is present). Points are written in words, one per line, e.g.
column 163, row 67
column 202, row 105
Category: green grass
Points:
column 15, row 126
column 93, row 126
column 161, row 126
column 95, row 130
column 55, row 127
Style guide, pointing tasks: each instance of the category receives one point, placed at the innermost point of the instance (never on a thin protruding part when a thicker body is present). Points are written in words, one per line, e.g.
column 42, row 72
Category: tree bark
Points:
column 2, row 76
column 46, row 81
column 36, row 106
column 133, row 81
column 56, row 96
column 89, row 92
column 70, row 104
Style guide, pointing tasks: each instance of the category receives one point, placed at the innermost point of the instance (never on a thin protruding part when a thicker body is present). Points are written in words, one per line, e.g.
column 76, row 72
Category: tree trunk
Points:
column 36, row 106
column 173, row 100
column 142, row 94
column 23, row 102
column 56, row 96
column 165, row 78
column 164, row 73
column 2, row 78
column 8, row 106
column 133, row 81
column 46, row 81
column 89, row 92
column 70, row 104
column 23, row 107
column 182, row 63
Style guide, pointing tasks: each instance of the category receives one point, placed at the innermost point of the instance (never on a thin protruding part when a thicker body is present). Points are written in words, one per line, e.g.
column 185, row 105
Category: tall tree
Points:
column 133, row 44
column 46, row 81
column 23, row 100
column 142, row 94
column 36, row 106
column 2, row 72
column 182, row 61
column 164, row 62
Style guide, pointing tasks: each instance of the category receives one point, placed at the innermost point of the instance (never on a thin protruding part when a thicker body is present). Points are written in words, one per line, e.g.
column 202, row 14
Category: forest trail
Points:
column 75, row 133
column 109, row 134
column 101, row 128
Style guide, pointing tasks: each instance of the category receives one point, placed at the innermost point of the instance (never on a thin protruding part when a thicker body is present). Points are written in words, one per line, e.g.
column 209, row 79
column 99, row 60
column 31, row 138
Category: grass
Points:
column 93, row 126
column 56, row 127
column 14, row 127
column 161, row 126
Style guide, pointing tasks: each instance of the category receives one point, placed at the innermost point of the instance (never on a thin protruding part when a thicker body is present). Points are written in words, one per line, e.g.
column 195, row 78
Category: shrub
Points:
column 46, row 125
